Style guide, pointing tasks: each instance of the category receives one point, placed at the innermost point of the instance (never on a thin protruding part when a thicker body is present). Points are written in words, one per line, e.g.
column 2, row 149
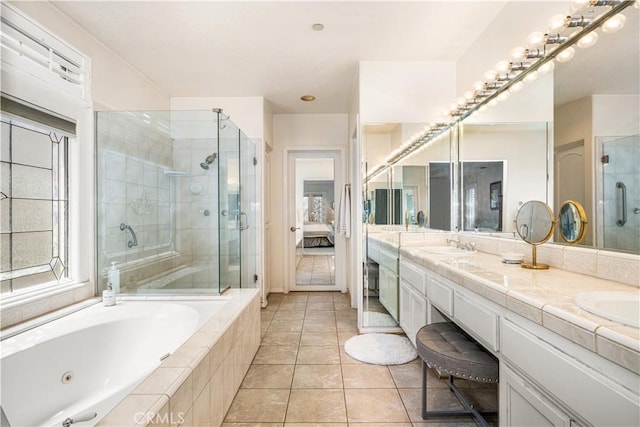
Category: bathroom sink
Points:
column 619, row 306
column 445, row 250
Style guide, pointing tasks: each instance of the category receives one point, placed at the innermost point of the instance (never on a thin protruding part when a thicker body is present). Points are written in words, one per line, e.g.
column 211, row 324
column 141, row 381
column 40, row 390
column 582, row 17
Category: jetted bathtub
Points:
column 90, row 360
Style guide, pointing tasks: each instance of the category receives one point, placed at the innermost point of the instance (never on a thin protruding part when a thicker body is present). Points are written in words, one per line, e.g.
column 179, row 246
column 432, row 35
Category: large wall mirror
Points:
column 502, row 166
column 597, row 136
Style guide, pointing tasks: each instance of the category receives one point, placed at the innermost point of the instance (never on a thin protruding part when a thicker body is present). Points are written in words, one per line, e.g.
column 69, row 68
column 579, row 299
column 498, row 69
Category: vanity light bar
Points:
column 553, row 45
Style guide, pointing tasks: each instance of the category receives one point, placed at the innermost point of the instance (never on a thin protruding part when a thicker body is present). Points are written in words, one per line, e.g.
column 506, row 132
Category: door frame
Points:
column 338, row 153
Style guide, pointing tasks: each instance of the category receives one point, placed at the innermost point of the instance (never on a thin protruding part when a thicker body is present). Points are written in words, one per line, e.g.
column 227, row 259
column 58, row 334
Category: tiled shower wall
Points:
column 196, row 210
column 133, row 189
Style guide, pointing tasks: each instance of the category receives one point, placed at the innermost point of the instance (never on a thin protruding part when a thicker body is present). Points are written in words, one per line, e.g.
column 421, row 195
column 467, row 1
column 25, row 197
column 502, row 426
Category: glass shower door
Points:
column 248, row 221
column 620, row 222
column 229, row 204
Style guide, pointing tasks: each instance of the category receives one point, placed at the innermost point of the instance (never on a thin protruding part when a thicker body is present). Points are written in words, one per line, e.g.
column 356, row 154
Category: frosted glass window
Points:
column 33, row 206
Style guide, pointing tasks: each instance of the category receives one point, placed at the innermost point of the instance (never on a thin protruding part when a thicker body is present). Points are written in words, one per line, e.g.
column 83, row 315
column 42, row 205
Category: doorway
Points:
column 314, row 242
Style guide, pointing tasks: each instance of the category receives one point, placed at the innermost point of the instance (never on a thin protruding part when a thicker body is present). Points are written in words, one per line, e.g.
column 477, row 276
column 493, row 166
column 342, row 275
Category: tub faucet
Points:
column 79, row 419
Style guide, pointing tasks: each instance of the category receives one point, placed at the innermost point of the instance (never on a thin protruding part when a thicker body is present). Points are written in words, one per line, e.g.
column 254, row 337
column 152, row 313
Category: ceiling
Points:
column 268, row 48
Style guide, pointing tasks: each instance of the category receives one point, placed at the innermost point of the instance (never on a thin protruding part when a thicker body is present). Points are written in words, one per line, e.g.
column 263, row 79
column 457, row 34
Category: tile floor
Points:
column 316, row 270
column 302, row 377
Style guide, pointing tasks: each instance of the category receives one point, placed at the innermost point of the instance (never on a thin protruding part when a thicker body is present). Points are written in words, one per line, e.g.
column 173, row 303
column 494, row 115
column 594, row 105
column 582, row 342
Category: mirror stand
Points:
column 534, row 262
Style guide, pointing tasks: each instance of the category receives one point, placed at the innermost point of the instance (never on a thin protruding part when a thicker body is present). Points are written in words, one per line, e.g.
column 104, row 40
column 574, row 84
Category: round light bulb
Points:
column 546, row 68
column 588, row 40
column 478, row 86
column 502, row 66
column 517, row 87
column 579, row 4
column 461, row 101
column 490, row 75
column 557, row 22
column 518, row 53
column 535, row 39
column 453, row 108
column 566, row 55
column 503, row 96
column 531, row 76
column 637, row 4
column 613, row 24
column 469, row 95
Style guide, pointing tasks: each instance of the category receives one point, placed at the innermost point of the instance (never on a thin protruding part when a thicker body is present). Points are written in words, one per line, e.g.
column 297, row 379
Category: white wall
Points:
column 248, row 113
column 290, row 131
column 116, row 85
column 399, row 92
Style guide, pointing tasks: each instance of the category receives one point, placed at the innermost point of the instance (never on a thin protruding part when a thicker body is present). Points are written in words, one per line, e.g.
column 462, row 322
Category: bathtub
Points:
column 90, row 360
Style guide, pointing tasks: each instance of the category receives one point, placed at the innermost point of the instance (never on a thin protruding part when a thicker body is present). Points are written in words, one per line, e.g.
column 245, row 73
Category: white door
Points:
column 315, row 249
column 569, row 178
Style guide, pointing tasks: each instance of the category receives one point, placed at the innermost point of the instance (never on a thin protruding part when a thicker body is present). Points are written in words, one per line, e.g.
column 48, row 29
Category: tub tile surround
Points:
column 546, row 297
column 197, row 383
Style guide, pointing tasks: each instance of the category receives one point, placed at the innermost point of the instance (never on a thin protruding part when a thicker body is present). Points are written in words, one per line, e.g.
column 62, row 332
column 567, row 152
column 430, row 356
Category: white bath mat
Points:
column 381, row 349
column 372, row 318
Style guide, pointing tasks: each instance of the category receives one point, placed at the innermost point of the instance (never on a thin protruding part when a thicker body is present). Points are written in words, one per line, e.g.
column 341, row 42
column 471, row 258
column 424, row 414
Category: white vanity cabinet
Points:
column 389, row 291
column 556, row 381
column 545, row 379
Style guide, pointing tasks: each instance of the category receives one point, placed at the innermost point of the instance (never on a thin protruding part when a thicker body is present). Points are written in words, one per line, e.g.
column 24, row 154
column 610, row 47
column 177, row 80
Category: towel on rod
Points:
column 344, row 212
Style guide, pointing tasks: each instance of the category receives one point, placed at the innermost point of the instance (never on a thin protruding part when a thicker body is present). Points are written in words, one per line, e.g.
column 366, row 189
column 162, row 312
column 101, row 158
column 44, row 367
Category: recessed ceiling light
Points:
column 308, row 98
column 317, row 27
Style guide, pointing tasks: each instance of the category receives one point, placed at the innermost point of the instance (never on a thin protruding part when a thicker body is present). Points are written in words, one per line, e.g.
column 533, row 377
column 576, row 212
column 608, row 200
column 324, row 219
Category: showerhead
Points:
column 210, row 159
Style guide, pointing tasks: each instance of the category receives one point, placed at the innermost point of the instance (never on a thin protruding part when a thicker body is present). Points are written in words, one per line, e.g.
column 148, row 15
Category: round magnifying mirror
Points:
column 572, row 221
column 534, row 224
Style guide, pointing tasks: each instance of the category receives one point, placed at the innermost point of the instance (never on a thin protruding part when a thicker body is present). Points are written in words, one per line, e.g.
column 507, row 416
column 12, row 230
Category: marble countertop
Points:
column 546, row 297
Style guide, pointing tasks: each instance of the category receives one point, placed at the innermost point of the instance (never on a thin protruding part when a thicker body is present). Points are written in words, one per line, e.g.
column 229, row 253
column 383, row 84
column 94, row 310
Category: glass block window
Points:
column 34, row 205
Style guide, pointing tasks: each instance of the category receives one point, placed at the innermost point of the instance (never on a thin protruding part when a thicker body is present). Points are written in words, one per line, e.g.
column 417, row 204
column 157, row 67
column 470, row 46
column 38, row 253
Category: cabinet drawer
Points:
column 414, row 275
column 389, row 260
column 580, row 387
column 440, row 295
column 477, row 318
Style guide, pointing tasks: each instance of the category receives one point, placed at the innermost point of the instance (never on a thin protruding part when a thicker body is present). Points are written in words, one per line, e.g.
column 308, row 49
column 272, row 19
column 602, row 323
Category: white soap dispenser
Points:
column 108, row 296
column 113, row 277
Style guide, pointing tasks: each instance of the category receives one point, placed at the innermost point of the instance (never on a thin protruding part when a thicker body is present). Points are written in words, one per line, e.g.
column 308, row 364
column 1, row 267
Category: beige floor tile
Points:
column 384, row 425
column 276, row 355
column 313, row 406
column 286, row 325
column 288, row 314
column 318, row 425
column 267, row 315
column 318, row 355
column 438, row 399
column 343, row 336
column 258, row 405
column 319, row 338
column 268, row 376
column 252, row 424
column 328, row 316
column 367, row 376
column 375, row 405
column 317, row 376
column 319, row 326
column 408, row 375
column 281, row 338
column 320, row 306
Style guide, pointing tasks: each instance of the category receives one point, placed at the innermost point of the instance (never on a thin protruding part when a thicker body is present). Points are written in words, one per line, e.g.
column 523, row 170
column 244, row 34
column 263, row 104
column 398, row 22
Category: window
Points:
column 33, row 215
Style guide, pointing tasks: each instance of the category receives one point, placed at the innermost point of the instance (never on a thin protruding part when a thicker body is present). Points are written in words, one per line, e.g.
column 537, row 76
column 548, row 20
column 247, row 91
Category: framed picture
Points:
column 495, row 195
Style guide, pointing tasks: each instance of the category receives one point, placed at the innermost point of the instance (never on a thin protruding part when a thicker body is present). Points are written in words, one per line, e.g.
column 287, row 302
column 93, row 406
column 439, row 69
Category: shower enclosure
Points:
column 176, row 194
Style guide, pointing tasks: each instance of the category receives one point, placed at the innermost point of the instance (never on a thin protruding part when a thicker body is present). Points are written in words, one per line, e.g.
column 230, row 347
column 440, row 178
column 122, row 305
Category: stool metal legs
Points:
column 469, row 410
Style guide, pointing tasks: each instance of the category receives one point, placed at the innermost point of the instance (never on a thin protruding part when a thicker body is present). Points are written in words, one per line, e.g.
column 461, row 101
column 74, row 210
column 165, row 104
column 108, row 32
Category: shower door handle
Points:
column 623, row 221
column 294, row 228
column 243, row 225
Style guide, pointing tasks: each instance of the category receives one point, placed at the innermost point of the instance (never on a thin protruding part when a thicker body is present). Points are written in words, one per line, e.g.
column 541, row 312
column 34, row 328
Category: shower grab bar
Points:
column 623, row 221
column 130, row 243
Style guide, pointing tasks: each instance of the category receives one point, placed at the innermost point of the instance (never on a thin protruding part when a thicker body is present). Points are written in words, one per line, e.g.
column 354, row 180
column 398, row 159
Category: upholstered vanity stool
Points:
column 447, row 348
